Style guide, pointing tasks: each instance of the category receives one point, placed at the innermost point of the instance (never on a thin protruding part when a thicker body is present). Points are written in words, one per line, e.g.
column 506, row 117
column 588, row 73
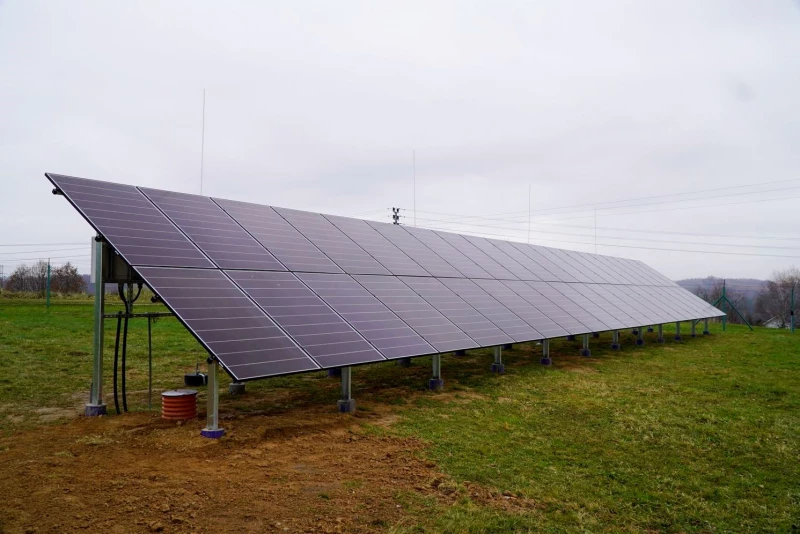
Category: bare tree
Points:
column 29, row 278
column 774, row 302
column 66, row 279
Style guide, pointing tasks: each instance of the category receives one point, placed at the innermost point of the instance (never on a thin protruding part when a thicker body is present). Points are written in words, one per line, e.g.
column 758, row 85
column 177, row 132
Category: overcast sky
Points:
column 320, row 105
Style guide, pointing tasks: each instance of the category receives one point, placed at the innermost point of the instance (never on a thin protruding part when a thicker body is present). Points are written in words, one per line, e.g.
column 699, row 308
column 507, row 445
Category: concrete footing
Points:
column 238, row 388
column 640, row 342
column 546, row 361
column 498, row 368
column 435, row 384
column 94, row 410
column 615, row 346
column 586, row 353
column 660, row 340
column 346, row 406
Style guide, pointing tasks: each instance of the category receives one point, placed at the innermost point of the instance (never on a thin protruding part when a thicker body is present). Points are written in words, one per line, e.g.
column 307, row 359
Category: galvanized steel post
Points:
column 96, row 406
column 705, row 327
column 585, row 350
column 497, row 366
column 436, row 383
column 347, row 403
column 546, row 352
column 640, row 337
column 615, row 340
column 660, row 333
column 212, row 429
column 678, row 331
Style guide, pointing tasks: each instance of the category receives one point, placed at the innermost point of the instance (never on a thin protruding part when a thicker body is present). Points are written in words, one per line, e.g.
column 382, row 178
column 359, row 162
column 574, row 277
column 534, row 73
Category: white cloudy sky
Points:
column 319, row 105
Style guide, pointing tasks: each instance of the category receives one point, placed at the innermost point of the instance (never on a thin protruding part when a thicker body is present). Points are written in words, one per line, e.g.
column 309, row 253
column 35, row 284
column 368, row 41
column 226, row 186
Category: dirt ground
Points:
column 305, row 470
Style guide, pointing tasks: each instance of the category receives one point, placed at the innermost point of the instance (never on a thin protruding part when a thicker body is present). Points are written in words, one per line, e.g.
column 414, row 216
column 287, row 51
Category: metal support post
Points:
column 347, row 404
column 660, row 333
column 585, row 350
column 546, row 353
column 706, row 331
column 678, row 331
column 96, row 406
column 436, row 383
column 212, row 429
column 497, row 366
column 615, row 340
column 149, row 364
column 640, row 336
column 48, row 286
column 694, row 329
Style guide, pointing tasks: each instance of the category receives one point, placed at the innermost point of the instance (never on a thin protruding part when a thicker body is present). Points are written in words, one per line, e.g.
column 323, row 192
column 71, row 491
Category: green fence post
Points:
column 47, row 290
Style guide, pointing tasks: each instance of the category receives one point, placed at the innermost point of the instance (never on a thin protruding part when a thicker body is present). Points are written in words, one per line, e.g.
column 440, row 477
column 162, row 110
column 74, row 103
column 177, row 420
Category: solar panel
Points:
column 348, row 256
column 445, row 250
column 540, row 272
column 535, row 253
column 213, row 231
column 130, row 223
column 461, row 314
column 272, row 291
column 288, row 245
column 313, row 325
column 500, row 256
column 536, row 310
column 434, row 327
column 377, row 323
column 492, row 309
column 247, row 343
column 392, row 258
column 416, row 250
column 486, row 262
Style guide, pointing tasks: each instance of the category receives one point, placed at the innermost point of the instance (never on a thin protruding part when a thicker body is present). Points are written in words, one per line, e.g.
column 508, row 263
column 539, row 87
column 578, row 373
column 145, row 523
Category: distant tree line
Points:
column 769, row 304
column 33, row 279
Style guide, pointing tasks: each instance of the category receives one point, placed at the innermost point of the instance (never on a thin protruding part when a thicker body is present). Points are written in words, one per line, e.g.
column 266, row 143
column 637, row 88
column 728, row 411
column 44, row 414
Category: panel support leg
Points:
column 678, row 331
column 497, row 366
column 585, row 350
column 347, row 404
column 660, row 333
column 237, row 388
column 436, row 383
column 693, row 329
column 546, row 353
column 212, row 429
column 95, row 406
column 706, row 331
column 640, row 336
column 615, row 340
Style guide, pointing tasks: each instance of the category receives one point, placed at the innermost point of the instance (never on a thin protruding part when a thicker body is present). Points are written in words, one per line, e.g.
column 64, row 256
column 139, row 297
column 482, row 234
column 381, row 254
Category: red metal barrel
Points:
column 179, row 404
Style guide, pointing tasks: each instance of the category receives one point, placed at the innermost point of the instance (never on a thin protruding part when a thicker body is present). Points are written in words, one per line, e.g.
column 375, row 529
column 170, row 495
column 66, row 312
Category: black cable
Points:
column 116, row 358
column 124, row 352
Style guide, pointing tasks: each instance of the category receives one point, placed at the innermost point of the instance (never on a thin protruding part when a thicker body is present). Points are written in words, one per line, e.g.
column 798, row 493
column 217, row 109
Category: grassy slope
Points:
column 697, row 436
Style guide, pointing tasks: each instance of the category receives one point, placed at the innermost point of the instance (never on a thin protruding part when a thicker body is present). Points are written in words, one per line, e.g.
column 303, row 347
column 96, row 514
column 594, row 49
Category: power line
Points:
column 634, row 199
column 40, row 251
column 625, row 246
column 40, row 244
column 694, row 234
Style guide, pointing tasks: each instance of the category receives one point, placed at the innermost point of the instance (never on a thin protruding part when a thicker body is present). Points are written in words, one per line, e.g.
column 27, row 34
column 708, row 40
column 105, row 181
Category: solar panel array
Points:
column 272, row 291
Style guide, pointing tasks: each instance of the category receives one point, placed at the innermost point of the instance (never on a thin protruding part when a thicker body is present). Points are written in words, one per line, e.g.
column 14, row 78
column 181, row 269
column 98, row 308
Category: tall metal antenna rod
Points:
column 529, row 214
column 203, row 142
column 414, row 163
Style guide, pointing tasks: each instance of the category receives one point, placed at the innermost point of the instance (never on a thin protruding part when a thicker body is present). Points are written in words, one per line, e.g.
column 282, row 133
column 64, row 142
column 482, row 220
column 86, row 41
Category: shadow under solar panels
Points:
column 247, row 343
column 316, row 328
column 140, row 233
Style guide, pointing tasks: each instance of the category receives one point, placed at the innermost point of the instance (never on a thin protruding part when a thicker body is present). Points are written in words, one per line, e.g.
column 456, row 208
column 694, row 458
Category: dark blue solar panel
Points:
column 130, row 223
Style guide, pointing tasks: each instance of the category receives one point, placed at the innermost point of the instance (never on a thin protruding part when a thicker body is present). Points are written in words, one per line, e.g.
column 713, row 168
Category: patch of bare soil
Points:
column 308, row 470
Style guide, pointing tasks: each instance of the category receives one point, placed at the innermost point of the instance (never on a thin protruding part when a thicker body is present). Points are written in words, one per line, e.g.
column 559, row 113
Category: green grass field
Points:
column 695, row 436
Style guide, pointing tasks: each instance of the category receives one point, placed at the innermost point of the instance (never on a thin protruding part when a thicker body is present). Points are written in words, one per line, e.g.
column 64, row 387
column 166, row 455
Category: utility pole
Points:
column 396, row 216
